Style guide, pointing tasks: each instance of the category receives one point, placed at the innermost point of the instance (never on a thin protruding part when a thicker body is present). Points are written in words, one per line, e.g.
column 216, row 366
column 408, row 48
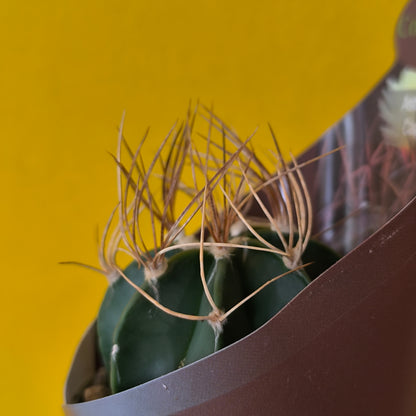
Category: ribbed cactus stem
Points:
column 188, row 294
column 160, row 306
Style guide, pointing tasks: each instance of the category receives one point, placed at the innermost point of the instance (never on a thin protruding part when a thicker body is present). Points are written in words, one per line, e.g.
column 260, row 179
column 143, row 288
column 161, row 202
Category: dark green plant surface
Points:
column 144, row 342
column 318, row 256
column 115, row 300
column 147, row 341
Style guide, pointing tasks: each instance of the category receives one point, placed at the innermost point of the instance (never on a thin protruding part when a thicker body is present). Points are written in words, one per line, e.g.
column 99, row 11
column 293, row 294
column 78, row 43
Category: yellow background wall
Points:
column 69, row 68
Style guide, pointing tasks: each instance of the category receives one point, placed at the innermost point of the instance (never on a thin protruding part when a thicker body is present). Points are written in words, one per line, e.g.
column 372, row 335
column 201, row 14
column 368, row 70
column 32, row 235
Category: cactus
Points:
column 214, row 272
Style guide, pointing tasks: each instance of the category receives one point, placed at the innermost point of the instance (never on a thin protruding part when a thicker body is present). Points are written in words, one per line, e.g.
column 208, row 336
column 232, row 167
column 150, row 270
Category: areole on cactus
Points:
column 215, row 269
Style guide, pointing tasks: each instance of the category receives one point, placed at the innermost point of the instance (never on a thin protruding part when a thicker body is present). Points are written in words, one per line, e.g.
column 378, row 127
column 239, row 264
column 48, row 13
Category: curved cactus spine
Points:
column 187, row 294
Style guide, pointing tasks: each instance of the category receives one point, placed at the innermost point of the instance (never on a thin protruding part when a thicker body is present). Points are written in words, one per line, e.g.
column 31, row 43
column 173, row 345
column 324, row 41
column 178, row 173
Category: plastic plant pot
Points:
column 346, row 344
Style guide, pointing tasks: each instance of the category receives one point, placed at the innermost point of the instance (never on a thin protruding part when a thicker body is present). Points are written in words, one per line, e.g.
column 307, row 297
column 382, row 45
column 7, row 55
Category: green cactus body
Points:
column 147, row 342
column 115, row 300
column 258, row 267
column 226, row 287
column 318, row 256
